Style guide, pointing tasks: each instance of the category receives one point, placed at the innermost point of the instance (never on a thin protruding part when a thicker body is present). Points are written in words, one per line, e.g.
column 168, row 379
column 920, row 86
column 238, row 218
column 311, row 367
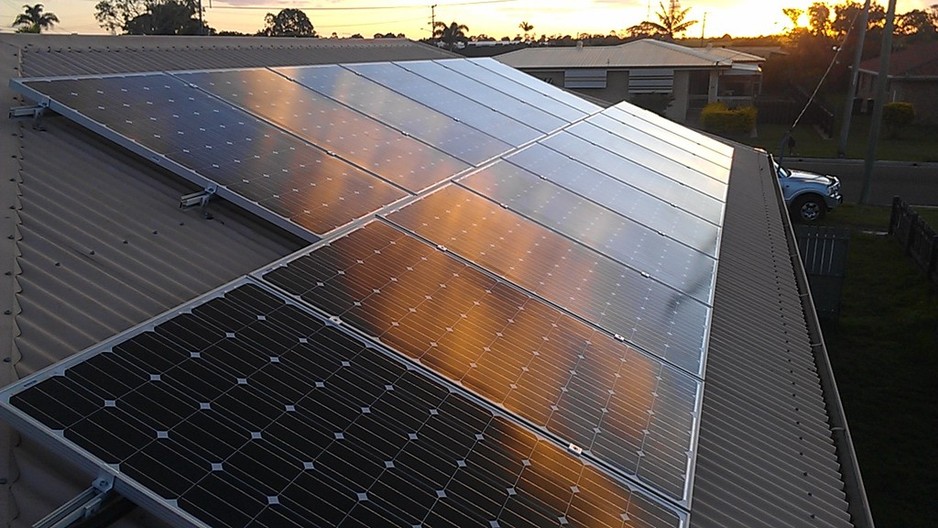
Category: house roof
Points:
column 87, row 220
column 644, row 53
column 918, row 61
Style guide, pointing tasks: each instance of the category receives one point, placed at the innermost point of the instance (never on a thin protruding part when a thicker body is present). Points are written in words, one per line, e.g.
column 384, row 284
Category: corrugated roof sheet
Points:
column 766, row 457
column 53, row 55
column 918, row 60
column 645, row 53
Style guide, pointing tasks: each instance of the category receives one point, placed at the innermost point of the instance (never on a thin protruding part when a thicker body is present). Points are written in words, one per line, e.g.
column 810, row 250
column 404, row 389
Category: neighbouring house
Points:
column 692, row 76
column 913, row 78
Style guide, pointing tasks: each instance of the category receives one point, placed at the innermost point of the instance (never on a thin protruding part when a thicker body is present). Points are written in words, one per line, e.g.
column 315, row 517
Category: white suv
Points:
column 809, row 195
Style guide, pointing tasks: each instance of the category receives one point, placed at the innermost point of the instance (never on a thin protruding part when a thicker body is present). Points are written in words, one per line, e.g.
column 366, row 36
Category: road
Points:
column 916, row 183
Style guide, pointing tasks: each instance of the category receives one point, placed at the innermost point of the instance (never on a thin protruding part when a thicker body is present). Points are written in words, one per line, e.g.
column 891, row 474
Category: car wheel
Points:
column 809, row 208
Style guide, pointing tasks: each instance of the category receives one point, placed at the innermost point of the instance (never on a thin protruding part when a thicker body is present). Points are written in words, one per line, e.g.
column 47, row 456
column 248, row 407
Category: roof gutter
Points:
column 857, row 504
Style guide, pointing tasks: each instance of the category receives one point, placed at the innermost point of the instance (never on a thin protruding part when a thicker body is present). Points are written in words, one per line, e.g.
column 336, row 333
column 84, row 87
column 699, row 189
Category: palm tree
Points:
column 33, row 20
column 526, row 27
column 450, row 34
column 672, row 20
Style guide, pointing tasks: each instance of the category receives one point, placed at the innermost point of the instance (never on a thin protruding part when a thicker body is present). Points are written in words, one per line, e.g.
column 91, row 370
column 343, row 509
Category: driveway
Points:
column 916, row 183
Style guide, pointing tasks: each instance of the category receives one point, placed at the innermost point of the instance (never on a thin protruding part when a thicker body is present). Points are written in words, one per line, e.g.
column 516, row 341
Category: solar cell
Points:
column 655, row 317
column 486, row 95
column 620, row 167
column 469, row 144
column 248, row 411
column 519, row 91
column 508, row 347
column 678, row 135
column 618, row 196
column 253, row 159
column 447, row 101
column 603, row 230
column 530, row 81
column 648, row 151
column 332, row 126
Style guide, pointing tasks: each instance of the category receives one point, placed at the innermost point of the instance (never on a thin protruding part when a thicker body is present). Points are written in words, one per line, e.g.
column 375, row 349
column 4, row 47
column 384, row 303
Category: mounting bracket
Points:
column 84, row 506
column 197, row 199
column 34, row 112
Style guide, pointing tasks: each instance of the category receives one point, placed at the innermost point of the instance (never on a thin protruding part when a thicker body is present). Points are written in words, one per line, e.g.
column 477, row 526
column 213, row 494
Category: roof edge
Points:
column 857, row 503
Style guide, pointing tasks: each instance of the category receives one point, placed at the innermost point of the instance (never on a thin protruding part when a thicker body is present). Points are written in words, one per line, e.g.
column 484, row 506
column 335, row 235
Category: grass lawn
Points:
column 884, row 350
column 916, row 143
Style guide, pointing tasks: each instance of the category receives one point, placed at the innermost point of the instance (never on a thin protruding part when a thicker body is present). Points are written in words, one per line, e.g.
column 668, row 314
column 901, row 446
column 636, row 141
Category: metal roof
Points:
column 86, row 223
column 645, row 53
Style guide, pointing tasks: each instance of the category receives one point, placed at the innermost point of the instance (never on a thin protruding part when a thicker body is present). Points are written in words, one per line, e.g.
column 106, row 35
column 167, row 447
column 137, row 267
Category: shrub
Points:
column 716, row 117
column 897, row 116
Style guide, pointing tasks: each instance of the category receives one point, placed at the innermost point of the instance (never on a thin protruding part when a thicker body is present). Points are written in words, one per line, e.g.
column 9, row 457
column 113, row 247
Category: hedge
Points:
column 716, row 117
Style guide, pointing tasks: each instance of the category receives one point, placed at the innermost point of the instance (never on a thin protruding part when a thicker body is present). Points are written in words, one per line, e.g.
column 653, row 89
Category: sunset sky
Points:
column 496, row 18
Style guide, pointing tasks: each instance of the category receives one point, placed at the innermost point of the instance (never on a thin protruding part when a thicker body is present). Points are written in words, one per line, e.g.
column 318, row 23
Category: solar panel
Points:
column 211, row 142
column 486, row 95
column 532, row 82
column 450, row 102
column 246, row 410
column 608, row 232
column 678, row 135
column 518, row 338
column 647, row 151
column 645, row 312
column 469, row 144
column 510, row 348
column 620, row 167
column 331, row 126
column 516, row 90
column 618, row 196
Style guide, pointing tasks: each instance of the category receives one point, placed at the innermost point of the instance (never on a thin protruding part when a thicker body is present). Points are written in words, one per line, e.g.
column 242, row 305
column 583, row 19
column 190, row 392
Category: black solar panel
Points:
column 507, row 347
column 250, row 412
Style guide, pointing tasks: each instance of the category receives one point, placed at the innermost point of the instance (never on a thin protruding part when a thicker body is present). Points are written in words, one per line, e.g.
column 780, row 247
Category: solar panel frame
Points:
column 107, row 476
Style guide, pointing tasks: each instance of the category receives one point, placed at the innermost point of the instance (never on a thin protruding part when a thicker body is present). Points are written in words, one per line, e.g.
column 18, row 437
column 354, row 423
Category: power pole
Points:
column 852, row 88
column 880, row 100
column 703, row 30
column 432, row 20
column 201, row 22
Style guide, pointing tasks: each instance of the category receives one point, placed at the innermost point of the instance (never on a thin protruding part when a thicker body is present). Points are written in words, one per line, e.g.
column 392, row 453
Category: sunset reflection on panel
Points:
column 658, row 318
column 508, row 347
column 400, row 112
column 331, row 126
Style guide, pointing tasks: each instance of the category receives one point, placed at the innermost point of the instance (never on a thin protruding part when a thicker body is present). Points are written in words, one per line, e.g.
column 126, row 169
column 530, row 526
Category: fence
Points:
column 824, row 255
column 918, row 239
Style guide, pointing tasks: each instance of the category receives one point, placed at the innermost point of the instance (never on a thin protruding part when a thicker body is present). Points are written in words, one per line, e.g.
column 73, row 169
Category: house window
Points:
column 651, row 80
column 584, row 78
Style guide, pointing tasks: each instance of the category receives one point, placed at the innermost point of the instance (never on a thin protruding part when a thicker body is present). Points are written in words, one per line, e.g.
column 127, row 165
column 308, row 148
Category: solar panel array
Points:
column 503, row 320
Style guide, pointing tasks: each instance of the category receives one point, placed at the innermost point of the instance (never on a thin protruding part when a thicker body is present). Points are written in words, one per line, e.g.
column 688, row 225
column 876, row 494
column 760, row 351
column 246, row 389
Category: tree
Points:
column 918, row 25
column 150, row 17
column 288, row 23
column 672, row 20
column 819, row 19
column 450, row 34
column 526, row 27
column 33, row 20
column 793, row 14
